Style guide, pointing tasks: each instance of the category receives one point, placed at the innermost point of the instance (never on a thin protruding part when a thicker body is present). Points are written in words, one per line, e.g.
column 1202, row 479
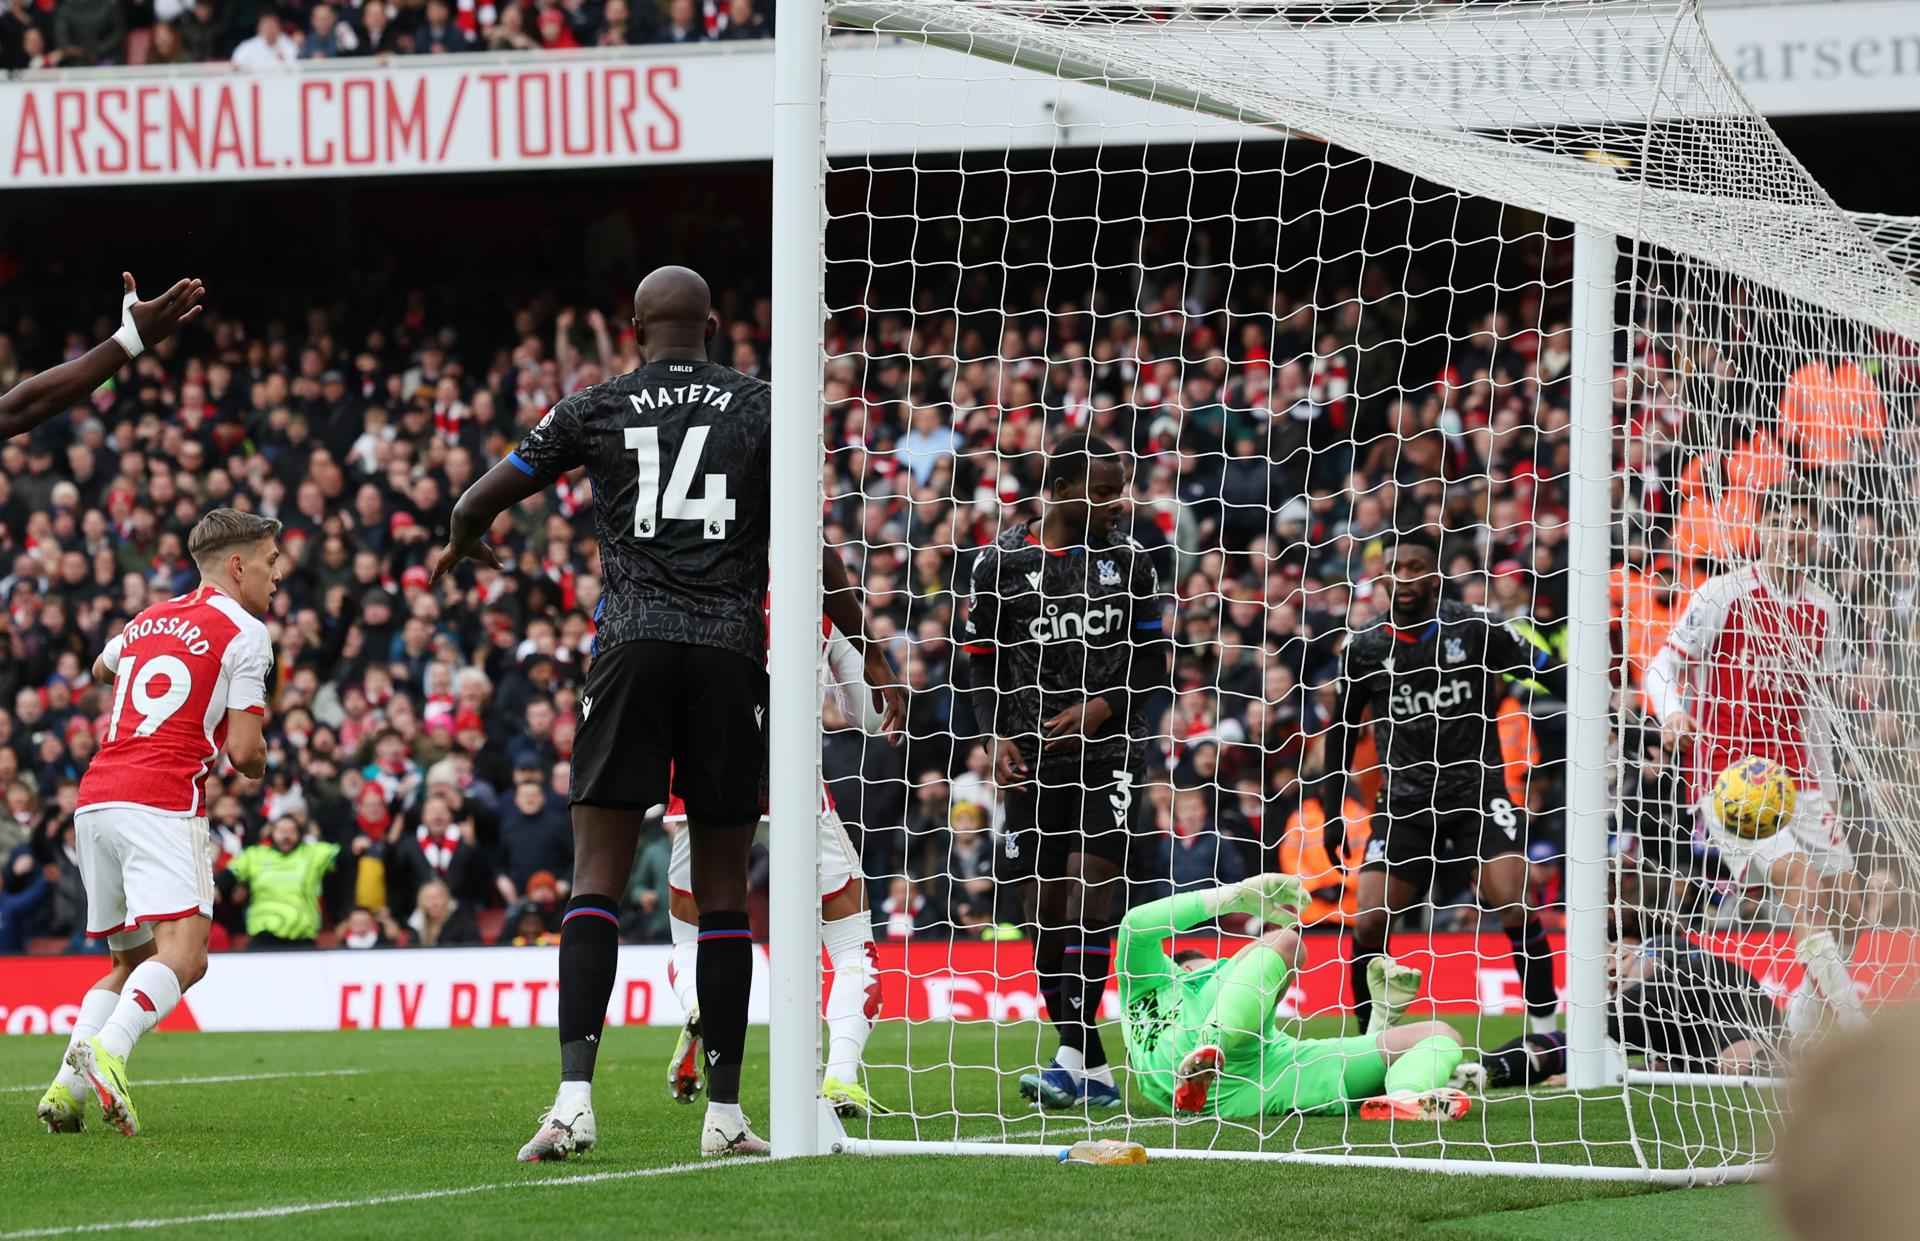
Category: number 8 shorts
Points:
column 1408, row 841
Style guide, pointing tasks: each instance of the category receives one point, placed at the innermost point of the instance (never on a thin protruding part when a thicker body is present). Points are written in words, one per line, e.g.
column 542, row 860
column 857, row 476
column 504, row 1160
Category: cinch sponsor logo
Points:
column 1406, row 703
column 1058, row 625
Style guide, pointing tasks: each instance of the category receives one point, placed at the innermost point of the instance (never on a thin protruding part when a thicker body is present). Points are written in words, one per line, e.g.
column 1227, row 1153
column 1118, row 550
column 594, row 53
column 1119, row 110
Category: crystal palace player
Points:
column 1065, row 638
column 1731, row 683
column 189, row 678
column 58, row 389
column 1432, row 675
column 679, row 455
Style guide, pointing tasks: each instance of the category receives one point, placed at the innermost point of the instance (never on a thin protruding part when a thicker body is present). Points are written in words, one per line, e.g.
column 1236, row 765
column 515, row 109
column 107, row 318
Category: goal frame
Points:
column 801, row 1125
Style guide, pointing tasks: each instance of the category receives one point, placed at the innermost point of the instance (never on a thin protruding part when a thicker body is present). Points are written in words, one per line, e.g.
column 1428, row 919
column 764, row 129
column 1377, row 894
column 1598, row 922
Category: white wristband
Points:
column 128, row 337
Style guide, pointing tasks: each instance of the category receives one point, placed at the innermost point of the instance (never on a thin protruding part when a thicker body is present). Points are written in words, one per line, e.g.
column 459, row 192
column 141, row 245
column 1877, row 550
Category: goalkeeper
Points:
column 1203, row 1036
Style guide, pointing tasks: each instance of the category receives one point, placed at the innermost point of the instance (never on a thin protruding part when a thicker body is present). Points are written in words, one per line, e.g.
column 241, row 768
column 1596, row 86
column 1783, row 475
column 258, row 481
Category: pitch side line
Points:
column 221, row 1079
column 378, row 1200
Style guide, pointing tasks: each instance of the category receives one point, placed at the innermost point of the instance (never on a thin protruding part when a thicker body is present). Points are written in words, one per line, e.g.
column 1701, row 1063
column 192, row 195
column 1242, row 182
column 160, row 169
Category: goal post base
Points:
column 1648, row 1077
column 1727, row 1174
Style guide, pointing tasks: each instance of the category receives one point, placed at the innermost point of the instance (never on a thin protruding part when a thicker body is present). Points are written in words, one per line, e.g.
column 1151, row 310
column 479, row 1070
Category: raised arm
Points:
column 57, row 389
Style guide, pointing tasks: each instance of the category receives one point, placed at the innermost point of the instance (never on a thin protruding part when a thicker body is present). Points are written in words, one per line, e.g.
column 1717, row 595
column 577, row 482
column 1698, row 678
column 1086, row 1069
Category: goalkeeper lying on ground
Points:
column 1202, row 1036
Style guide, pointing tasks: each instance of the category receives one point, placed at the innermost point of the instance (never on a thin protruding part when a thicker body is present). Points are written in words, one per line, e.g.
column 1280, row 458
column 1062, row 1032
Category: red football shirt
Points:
column 178, row 667
column 1750, row 652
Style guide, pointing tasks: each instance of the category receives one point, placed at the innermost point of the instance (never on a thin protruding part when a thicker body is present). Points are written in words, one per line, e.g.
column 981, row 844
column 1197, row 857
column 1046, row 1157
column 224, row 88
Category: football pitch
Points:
column 378, row 1134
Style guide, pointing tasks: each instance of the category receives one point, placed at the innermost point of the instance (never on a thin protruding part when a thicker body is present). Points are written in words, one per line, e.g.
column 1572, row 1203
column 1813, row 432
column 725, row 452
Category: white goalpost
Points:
column 1530, row 276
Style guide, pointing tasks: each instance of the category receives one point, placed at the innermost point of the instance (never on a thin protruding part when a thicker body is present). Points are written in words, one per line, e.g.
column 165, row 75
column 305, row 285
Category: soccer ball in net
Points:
column 1753, row 797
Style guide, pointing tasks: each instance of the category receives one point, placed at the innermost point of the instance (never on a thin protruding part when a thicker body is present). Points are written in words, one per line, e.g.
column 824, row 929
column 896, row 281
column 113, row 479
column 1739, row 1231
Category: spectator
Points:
column 378, row 37
column 535, row 835
column 683, row 24
column 439, row 33
column 1307, row 850
column 645, row 918
column 439, row 921
column 969, row 870
column 527, row 927
column 902, row 911
column 441, row 848
column 555, row 33
column 269, row 48
column 165, row 47
column 743, row 20
column 364, row 928
column 1194, row 856
column 90, row 32
column 327, row 37
column 622, row 26
column 509, row 33
column 199, row 28
column 16, row 19
column 279, row 883
column 18, row 906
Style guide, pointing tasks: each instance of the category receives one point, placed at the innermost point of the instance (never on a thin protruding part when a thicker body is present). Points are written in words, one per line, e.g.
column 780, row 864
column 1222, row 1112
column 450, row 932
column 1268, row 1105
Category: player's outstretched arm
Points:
column 142, row 325
column 492, row 494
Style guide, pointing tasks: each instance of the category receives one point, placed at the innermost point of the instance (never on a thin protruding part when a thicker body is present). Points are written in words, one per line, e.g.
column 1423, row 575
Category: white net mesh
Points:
column 1350, row 315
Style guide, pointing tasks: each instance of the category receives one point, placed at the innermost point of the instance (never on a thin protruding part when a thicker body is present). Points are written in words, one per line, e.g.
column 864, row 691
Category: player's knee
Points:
column 1287, row 943
column 1369, row 928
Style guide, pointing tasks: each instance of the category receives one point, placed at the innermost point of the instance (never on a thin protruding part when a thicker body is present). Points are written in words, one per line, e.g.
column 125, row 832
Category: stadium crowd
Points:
column 420, row 737
column 257, row 34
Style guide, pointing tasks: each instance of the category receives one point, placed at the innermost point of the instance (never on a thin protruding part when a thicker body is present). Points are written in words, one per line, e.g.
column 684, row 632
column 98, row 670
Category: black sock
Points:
column 724, row 981
column 1533, row 958
column 1095, row 951
column 1050, row 974
column 589, row 951
column 1362, row 993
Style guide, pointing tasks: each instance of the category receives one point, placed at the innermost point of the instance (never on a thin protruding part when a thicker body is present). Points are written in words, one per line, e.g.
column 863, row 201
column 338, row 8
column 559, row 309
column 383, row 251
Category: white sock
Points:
column 1072, row 1060
column 150, row 994
column 855, row 996
column 683, row 963
column 95, row 1007
column 727, row 1116
column 1542, row 1025
column 573, row 1099
column 1820, row 953
column 1103, row 1075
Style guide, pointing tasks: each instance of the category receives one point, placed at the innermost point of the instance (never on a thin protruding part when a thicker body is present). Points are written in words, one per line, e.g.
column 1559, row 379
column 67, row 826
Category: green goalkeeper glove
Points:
column 1274, row 899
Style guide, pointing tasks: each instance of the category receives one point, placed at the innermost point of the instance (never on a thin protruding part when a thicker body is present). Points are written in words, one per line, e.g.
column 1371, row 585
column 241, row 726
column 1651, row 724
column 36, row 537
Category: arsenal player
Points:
column 189, row 678
column 1733, row 682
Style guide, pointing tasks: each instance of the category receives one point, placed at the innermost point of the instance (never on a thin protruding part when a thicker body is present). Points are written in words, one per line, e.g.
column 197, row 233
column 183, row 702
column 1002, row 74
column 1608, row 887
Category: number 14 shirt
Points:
column 679, row 455
column 178, row 668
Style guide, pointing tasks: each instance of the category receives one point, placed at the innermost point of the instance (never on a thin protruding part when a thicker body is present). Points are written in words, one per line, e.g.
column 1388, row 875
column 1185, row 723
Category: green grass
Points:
column 444, row 1111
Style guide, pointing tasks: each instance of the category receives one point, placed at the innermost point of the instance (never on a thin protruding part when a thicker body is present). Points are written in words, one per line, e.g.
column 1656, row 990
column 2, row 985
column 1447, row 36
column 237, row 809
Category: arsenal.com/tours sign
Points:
column 478, row 115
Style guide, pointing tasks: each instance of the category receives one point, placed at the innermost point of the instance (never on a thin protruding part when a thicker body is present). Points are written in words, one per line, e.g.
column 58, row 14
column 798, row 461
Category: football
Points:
column 1753, row 797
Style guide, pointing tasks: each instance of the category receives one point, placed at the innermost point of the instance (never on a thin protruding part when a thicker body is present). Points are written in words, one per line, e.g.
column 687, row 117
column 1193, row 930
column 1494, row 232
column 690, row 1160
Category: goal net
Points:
column 1530, row 280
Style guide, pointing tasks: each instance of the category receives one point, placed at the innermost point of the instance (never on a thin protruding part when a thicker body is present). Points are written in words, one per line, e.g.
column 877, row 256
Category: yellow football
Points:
column 1754, row 797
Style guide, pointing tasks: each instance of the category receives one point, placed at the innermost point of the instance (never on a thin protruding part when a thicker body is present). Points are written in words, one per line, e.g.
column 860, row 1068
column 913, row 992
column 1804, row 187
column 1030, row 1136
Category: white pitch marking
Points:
column 209, row 1081
column 346, row 1204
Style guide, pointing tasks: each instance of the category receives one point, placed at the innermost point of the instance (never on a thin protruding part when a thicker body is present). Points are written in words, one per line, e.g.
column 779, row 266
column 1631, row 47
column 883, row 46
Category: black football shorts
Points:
column 650, row 709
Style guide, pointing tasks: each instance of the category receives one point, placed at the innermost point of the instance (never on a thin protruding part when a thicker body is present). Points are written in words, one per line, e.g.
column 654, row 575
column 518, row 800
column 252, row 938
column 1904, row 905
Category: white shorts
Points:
column 141, row 866
column 1814, row 831
column 839, row 864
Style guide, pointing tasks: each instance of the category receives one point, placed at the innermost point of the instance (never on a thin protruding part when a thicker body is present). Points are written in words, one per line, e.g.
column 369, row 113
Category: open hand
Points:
column 164, row 315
